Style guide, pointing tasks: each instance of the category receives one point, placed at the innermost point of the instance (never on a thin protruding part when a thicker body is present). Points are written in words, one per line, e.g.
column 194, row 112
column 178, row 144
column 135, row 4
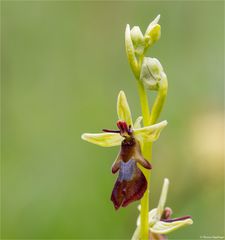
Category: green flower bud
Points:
column 138, row 40
column 153, row 32
column 151, row 73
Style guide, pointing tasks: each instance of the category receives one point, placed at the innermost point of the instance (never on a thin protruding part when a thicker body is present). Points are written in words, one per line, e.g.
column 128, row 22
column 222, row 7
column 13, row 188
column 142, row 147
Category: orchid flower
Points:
column 131, row 183
column 160, row 221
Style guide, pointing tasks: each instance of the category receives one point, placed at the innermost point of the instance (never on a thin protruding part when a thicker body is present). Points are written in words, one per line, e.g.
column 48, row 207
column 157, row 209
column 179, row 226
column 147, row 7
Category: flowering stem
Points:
column 136, row 59
column 149, row 119
column 144, row 103
column 147, row 153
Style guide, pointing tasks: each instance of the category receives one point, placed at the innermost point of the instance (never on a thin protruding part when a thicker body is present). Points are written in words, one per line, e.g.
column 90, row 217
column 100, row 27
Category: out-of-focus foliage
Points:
column 63, row 64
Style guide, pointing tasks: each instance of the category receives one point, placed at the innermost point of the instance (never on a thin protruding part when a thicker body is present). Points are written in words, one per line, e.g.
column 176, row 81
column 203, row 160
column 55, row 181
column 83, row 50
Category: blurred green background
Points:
column 63, row 64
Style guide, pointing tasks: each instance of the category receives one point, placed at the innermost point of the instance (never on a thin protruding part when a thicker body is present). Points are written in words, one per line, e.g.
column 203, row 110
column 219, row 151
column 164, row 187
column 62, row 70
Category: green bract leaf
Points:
column 130, row 50
column 162, row 199
column 150, row 133
column 103, row 139
column 166, row 227
column 123, row 109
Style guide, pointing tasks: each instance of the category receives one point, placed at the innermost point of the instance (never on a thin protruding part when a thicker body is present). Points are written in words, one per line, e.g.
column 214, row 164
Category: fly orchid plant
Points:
column 134, row 159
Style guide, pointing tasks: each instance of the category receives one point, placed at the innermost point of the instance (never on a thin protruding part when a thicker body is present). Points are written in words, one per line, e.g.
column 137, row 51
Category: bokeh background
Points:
column 63, row 64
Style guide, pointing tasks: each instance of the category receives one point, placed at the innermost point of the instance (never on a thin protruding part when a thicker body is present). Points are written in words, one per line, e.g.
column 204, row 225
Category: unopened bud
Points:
column 152, row 24
column 138, row 40
column 153, row 32
column 136, row 35
column 151, row 73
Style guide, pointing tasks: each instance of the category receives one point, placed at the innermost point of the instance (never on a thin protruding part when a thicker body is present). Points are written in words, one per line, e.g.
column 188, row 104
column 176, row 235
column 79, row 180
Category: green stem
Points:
column 144, row 103
column 147, row 153
column 149, row 119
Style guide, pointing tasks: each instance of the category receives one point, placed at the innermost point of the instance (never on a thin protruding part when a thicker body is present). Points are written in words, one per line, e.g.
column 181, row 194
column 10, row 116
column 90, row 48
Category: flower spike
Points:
column 131, row 182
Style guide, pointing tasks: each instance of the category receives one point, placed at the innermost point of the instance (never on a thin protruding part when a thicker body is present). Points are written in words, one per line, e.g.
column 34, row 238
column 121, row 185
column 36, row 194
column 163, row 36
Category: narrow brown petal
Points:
column 139, row 158
column 116, row 164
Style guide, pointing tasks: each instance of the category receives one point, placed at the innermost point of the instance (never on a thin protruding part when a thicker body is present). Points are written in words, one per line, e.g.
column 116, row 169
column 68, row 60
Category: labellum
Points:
column 131, row 183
